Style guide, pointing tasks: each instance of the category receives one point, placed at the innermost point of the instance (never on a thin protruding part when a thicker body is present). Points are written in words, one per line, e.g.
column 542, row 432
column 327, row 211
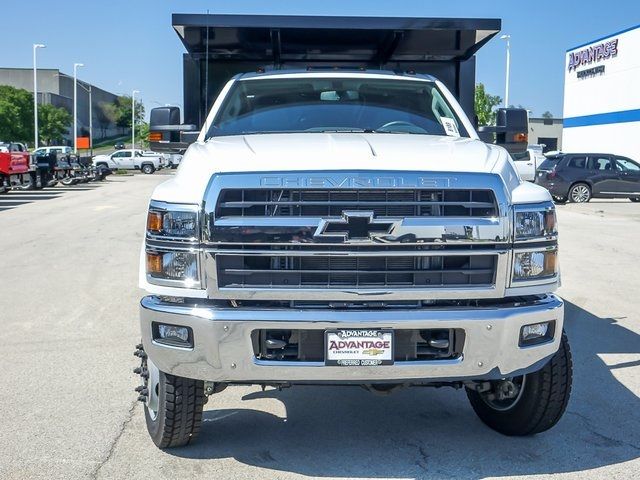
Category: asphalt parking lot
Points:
column 69, row 321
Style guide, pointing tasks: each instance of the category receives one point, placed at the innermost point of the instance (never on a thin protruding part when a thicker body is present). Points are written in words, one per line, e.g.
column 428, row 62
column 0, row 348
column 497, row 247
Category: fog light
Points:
column 174, row 335
column 536, row 333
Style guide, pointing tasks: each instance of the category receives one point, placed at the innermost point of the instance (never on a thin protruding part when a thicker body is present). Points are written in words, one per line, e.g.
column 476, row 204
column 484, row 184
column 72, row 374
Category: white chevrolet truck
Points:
column 347, row 227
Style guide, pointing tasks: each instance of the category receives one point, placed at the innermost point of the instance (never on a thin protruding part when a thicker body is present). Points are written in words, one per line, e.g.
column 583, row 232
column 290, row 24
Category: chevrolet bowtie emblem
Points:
column 372, row 352
column 353, row 226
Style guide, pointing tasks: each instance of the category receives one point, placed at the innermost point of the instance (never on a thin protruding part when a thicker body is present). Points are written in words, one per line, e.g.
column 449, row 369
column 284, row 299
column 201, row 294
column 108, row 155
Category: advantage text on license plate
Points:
column 359, row 347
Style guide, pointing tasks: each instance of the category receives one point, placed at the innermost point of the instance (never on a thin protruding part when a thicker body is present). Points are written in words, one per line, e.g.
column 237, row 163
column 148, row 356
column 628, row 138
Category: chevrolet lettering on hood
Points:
column 298, row 181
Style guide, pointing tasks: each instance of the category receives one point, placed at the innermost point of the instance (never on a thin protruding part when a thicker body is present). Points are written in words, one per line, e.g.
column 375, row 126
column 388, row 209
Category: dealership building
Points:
column 602, row 96
column 56, row 88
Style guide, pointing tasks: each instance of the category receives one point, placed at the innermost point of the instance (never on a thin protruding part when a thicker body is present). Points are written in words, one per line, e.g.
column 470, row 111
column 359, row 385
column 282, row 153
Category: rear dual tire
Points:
column 148, row 169
column 539, row 404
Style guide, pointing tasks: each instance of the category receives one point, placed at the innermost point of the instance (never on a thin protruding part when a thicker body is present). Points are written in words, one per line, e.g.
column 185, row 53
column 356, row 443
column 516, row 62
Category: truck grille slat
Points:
column 331, row 203
column 247, row 271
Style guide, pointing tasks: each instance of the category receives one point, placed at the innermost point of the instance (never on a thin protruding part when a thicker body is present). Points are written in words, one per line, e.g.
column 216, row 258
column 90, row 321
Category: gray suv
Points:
column 579, row 177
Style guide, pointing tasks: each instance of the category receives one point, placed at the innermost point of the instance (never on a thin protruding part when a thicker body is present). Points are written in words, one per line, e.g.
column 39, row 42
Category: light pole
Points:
column 506, row 88
column 75, row 106
column 133, row 120
column 36, row 46
column 90, row 115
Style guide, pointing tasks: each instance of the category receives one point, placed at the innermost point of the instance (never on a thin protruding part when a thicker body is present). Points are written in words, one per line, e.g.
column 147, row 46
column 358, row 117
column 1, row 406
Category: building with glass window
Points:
column 602, row 96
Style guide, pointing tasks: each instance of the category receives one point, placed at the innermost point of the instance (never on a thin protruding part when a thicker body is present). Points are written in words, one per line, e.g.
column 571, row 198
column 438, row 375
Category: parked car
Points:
column 527, row 163
column 58, row 149
column 128, row 159
column 579, row 177
column 119, row 146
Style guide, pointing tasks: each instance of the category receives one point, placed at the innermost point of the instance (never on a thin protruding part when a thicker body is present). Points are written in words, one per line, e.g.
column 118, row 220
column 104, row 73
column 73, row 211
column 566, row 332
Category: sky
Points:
column 127, row 45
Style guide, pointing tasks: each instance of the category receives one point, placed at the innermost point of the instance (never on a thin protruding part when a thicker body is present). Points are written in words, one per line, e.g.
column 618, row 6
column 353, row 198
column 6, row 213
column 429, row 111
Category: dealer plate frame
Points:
column 336, row 363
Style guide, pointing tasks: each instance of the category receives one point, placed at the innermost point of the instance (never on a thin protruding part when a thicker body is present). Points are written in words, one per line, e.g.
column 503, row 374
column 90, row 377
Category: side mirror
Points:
column 167, row 134
column 511, row 130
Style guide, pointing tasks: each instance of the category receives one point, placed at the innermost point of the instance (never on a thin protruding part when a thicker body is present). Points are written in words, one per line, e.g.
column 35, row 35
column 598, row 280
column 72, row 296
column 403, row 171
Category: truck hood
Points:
column 330, row 151
column 336, row 151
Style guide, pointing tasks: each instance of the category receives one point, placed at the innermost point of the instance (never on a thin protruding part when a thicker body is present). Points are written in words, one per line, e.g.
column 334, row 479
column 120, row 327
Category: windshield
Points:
column 284, row 105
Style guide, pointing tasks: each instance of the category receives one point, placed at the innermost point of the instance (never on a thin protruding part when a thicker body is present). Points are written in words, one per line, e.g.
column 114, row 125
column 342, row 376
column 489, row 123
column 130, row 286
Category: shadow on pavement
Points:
column 15, row 198
column 347, row 432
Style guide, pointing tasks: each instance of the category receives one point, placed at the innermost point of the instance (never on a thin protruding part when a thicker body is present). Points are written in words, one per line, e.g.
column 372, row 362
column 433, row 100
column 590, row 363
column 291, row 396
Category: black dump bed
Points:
column 221, row 46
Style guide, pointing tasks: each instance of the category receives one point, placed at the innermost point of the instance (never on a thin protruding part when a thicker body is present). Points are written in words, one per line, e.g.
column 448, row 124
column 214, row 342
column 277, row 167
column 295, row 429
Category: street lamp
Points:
column 75, row 106
column 133, row 120
column 90, row 115
column 36, row 46
column 506, row 88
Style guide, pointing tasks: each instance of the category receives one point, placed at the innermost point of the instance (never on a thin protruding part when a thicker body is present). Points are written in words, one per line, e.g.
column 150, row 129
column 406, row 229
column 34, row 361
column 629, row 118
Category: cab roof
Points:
column 334, row 73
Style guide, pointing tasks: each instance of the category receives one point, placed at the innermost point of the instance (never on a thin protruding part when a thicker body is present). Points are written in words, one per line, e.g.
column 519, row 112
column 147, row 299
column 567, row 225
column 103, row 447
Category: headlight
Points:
column 180, row 222
column 532, row 224
column 536, row 264
column 172, row 255
column 174, row 266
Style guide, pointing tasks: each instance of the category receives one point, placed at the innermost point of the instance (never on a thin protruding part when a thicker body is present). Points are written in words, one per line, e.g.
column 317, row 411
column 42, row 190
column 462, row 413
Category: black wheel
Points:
column 172, row 405
column 528, row 404
column 560, row 200
column 580, row 193
column 68, row 181
column 635, row 199
column 148, row 168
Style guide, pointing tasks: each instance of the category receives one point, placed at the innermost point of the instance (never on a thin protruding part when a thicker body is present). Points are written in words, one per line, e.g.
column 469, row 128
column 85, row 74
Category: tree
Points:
column 142, row 134
column 123, row 112
column 484, row 106
column 547, row 115
column 106, row 114
column 16, row 114
column 53, row 123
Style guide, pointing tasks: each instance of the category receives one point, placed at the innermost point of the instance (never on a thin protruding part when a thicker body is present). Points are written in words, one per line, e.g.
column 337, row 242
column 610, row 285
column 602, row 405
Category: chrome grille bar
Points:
column 330, row 203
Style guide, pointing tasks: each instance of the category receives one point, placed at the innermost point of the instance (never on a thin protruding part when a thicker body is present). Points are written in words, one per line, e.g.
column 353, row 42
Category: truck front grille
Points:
column 331, row 203
column 340, row 271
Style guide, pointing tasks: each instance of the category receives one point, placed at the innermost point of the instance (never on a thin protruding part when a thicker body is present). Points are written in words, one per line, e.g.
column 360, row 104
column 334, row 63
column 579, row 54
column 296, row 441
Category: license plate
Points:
column 359, row 347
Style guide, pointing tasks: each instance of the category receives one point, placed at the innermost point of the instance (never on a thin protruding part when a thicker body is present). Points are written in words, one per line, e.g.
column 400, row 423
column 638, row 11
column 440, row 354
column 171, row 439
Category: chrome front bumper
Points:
column 223, row 351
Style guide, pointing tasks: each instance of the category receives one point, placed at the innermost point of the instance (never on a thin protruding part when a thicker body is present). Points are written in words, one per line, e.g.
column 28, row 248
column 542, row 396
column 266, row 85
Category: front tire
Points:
column 537, row 406
column 635, row 199
column 173, row 410
column 580, row 193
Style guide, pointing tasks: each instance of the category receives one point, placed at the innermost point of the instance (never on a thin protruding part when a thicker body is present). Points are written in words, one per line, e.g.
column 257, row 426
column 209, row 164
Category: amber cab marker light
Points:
column 155, row 136
column 550, row 260
column 550, row 222
column 154, row 263
column 154, row 221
